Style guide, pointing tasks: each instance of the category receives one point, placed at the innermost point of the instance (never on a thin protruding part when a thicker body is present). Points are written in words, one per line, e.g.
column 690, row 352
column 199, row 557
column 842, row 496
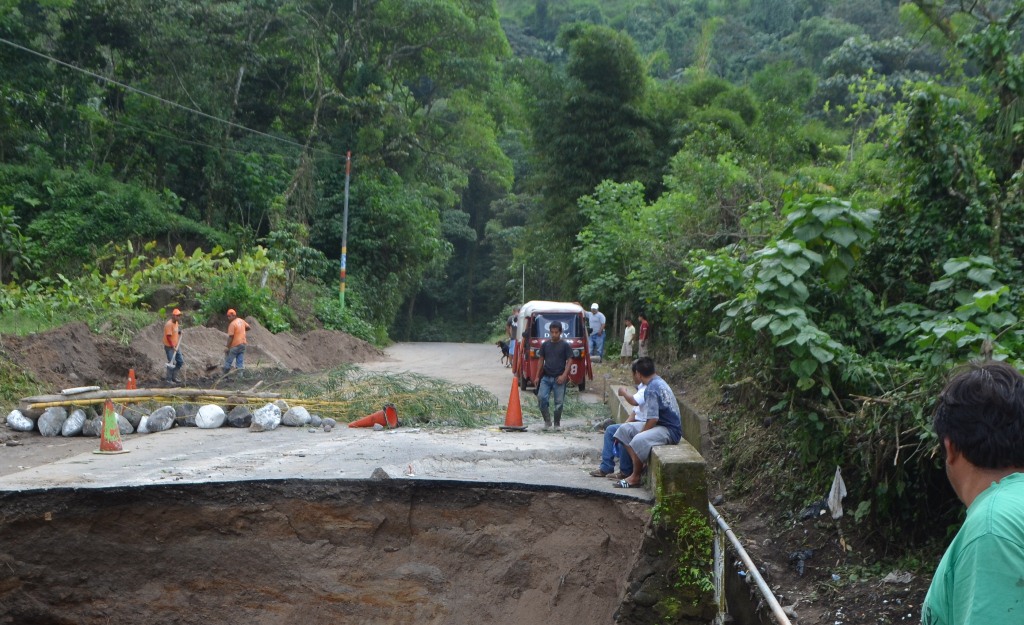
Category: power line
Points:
column 142, row 129
column 163, row 100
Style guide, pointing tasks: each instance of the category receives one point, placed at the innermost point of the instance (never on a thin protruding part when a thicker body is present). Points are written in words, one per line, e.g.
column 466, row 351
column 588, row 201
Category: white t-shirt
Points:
column 638, row 413
column 627, row 336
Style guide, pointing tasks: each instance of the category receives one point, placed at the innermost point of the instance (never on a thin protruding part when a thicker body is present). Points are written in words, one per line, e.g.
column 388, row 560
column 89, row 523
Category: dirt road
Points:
column 466, row 363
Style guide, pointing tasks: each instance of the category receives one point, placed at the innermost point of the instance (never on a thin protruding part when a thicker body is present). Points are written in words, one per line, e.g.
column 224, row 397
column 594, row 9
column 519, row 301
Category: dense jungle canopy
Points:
column 826, row 195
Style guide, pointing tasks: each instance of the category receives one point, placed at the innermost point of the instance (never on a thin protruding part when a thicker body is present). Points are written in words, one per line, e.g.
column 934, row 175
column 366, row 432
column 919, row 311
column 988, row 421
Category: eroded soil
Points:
column 72, row 355
column 388, row 552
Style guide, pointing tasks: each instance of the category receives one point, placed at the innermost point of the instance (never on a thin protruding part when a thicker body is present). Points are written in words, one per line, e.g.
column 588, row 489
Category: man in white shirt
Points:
column 597, row 320
column 608, row 450
column 627, row 343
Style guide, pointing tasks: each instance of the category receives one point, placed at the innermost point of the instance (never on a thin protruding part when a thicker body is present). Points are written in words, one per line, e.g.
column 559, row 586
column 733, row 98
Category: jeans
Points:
column 237, row 354
column 608, row 453
column 175, row 355
column 597, row 345
column 511, row 348
column 547, row 383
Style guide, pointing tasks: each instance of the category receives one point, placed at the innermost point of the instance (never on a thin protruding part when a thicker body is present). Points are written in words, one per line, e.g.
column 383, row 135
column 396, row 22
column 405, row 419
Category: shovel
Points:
column 177, row 350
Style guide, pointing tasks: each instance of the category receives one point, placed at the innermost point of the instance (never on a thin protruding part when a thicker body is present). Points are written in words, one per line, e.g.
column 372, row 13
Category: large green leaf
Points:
column 828, row 213
column 798, row 265
column 804, row 367
column 843, row 235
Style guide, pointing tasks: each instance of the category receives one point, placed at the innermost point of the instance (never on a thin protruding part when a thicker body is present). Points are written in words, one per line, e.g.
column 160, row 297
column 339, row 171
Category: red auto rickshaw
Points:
column 535, row 317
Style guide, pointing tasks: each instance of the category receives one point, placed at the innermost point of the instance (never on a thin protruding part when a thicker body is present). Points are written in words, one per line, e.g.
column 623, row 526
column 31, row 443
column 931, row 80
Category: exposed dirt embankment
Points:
column 73, row 356
column 315, row 552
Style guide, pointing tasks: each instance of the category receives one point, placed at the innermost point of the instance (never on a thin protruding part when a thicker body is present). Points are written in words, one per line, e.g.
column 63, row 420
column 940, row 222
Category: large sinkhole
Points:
column 302, row 552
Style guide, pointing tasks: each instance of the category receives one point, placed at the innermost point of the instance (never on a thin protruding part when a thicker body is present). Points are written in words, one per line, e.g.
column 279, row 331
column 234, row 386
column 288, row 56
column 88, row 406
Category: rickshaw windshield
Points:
column 570, row 322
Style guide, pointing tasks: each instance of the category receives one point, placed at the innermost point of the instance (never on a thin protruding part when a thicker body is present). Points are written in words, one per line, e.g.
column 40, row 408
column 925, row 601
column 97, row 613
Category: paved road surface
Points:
column 228, row 454
column 469, row 363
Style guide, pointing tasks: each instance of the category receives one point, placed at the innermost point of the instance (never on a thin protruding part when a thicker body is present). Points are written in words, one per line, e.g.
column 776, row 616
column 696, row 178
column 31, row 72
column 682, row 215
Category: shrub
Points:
column 234, row 291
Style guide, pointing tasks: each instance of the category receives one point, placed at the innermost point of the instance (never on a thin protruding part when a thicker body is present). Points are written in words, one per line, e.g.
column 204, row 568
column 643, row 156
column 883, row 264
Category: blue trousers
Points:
column 597, row 345
column 547, row 384
column 608, row 453
column 174, row 354
column 236, row 354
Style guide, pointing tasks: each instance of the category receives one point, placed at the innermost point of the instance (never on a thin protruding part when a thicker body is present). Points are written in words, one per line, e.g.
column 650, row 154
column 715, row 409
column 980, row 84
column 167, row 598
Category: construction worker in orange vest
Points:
column 172, row 339
column 235, row 350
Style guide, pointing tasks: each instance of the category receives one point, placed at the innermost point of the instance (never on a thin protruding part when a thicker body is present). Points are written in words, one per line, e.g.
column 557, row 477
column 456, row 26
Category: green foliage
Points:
column 592, row 126
column 235, row 291
column 608, row 246
column 329, row 311
column 692, row 539
column 15, row 383
column 418, row 399
column 15, row 260
column 286, row 245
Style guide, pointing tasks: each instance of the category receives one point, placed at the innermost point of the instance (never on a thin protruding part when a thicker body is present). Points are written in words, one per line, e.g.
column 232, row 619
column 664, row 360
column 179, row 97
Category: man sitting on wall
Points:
column 663, row 425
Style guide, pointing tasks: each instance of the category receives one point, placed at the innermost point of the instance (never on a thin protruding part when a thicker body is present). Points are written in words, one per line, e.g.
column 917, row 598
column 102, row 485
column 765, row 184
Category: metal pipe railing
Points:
column 762, row 587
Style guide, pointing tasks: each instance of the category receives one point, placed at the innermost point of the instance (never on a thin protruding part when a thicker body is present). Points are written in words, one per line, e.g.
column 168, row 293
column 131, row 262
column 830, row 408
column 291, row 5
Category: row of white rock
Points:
column 57, row 422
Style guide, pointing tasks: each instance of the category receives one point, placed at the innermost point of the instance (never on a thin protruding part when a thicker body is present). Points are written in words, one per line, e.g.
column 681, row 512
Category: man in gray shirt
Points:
column 553, row 375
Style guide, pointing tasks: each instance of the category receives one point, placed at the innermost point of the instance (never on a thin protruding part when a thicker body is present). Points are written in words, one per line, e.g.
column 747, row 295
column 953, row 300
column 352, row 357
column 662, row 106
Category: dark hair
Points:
column 981, row 412
column 644, row 366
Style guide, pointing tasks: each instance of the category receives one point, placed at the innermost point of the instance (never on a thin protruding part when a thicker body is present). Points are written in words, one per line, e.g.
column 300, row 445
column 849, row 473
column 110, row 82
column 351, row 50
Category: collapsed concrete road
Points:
column 194, row 455
column 227, row 454
column 298, row 525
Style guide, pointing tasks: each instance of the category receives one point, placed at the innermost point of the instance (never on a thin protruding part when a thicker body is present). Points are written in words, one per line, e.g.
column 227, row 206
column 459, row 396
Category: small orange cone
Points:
column 110, row 437
column 514, row 412
column 131, row 379
column 386, row 416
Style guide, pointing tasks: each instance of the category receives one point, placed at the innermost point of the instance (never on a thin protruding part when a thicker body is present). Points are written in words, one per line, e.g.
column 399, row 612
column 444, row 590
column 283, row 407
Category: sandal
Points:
column 617, row 476
column 625, row 484
column 599, row 473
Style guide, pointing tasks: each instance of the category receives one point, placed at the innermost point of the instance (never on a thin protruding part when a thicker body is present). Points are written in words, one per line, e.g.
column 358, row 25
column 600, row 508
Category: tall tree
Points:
column 587, row 128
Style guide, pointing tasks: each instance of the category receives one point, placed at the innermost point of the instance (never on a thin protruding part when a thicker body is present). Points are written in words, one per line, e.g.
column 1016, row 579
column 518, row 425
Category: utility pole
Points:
column 344, row 232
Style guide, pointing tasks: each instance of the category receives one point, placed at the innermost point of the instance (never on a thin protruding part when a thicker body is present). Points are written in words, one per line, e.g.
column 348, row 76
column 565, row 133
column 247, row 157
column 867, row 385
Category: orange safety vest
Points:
column 236, row 330
column 171, row 333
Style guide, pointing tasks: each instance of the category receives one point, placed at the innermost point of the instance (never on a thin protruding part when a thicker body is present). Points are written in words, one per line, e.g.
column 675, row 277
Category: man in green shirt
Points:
column 980, row 424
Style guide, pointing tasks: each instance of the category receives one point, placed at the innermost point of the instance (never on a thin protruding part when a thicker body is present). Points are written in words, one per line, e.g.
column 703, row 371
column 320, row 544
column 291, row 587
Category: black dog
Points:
column 503, row 346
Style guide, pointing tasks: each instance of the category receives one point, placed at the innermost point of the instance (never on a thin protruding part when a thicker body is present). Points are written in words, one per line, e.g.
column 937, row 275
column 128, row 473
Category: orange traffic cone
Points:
column 386, row 416
column 110, row 436
column 514, row 412
column 131, row 379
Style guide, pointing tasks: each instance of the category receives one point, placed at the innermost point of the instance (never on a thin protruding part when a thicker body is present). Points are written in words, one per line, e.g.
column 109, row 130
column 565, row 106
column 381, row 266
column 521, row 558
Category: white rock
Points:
column 143, row 422
column 19, row 422
column 296, row 417
column 210, row 416
column 268, row 417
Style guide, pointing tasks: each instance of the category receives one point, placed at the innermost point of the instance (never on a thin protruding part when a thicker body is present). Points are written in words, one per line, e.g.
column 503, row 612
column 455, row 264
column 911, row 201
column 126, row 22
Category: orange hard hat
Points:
column 231, row 312
column 175, row 312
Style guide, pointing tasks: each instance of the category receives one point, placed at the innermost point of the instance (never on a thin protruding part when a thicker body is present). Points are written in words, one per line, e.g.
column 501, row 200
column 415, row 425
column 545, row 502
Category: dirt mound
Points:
column 203, row 349
column 73, row 356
